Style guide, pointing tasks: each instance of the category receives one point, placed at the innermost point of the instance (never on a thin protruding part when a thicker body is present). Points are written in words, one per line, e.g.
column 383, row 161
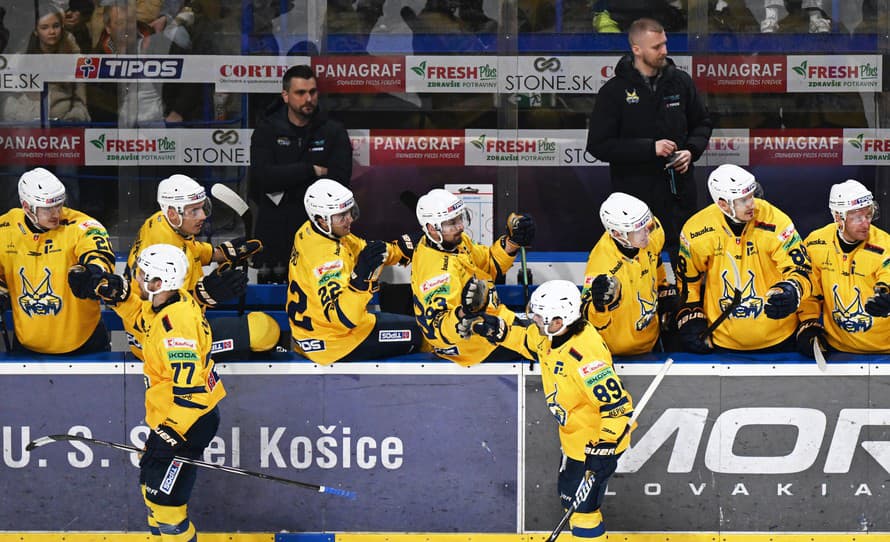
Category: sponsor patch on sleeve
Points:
column 434, row 283
column 328, row 270
column 181, row 354
column 91, row 225
column 223, row 345
column 394, row 335
column 591, row 368
column 180, row 342
column 786, row 233
column 170, row 477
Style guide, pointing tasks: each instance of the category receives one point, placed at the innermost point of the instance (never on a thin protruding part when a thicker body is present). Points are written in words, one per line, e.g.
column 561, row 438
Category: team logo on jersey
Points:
column 750, row 306
column 850, row 317
column 39, row 301
column 556, row 409
column 171, row 476
column 647, row 313
column 394, row 336
column 631, row 96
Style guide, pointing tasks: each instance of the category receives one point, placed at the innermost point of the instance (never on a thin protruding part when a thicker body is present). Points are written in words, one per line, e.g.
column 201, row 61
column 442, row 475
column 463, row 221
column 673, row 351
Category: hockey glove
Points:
column 601, row 458
column 83, row 280
column 367, row 267
column 668, row 303
column 474, row 297
column 807, row 332
column 493, row 328
column 238, row 250
column 782, row 299
column 406, row 245
column 113, row 289
column 691, row 325
column 879, row 304
column 521, row 229
column 605, row 290
column 162, row 444
column 219, row 286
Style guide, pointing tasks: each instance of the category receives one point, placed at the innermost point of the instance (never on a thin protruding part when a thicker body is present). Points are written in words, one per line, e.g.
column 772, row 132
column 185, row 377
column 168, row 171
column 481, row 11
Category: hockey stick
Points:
column 49, row 439
column 736, row 300
column 229, row 197
column 587, row 484
column 818, row 355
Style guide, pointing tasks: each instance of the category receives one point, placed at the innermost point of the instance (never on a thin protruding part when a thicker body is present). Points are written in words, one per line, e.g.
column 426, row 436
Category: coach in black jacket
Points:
column 294, row 145
column 650, row 125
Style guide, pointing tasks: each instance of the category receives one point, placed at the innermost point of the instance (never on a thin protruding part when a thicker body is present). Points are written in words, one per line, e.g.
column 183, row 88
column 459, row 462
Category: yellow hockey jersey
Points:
column 582, row 390
column 47, row 317
column 156, row 229
column 130, row 313
column 769, row 250
column 629, row 325
column 327, row 318
column 842, row 283
column 437, row 279
column 181, row 383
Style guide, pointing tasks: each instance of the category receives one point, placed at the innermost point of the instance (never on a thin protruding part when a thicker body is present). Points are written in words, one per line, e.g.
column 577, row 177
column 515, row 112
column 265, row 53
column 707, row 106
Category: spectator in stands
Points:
column 51, row 253
column 148, row 103
column 626, row 293
column 77, row 17
column 293, row 145
column 66, row 101
column 743, row 268
column 849, row 307
column 650, row 124
column 332, row 277
column 452, row 279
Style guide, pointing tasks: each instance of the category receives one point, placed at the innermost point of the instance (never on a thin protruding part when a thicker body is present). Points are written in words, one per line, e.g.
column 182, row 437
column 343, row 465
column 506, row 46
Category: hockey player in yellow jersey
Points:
column 625, row 290
column 452, row 279
column 182, row 392
column 849, row 307
column 772, row 263
column 184, row 209
column 332, row 276
column 582, row 390
column 52, row 252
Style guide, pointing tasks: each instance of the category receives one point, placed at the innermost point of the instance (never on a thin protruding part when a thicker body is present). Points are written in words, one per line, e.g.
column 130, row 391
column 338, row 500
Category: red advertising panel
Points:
column 410, row 147
column 38, row 147
column 359, row 74
column 789, row 147
column 740, row 74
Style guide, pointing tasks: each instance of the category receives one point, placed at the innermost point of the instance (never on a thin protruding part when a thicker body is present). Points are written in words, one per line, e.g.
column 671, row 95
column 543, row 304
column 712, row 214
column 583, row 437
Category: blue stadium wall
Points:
column 730, row 448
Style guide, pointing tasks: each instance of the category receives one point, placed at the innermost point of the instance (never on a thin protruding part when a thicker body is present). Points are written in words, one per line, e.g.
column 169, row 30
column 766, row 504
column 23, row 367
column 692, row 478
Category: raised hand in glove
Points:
column 782, row 299
column 406, row 245
column 604, row 291
column 493, row 328
column 367, row 267
column 238, row 250
column 83, row 279
column 807, row 332
column 521, row 229
column 691, row 325
column 474, row 297
column 220, row 285
column 113, row 289
column 878, row 305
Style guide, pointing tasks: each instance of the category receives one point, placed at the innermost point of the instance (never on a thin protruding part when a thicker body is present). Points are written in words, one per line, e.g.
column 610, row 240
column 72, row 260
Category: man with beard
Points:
column 650, row 124
column 293, row 146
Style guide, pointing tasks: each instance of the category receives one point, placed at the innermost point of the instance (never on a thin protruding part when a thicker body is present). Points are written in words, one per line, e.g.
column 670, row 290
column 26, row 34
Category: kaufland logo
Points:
column 849, row 75
column 521, row 149
column 128, row 68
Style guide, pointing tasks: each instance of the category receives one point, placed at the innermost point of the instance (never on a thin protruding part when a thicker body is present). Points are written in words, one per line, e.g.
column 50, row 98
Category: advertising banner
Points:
column 156, row 146
column 727, row 146
column 359, row 74
column 758, row 451
column 427, row 147
column 451, row 74
column 815, row 147
column 834, row 73
column 40, row 147
column 423, row 452
column 528, row 148
column 738, row 74
column 865, row 146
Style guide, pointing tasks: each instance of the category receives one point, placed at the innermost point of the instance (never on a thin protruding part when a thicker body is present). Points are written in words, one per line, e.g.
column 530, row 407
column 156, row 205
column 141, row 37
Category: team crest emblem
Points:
column 647, row 312
column 556, row 409
column 39, row 301
column 631, row 96
column 850, row 317
column 750, row 306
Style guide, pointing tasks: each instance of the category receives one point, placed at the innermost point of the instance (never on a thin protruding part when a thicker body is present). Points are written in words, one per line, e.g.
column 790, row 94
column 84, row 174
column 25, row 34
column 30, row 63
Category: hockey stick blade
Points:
column 49, row 439
column 231, row 198
column 818, row 355
column 587, row 483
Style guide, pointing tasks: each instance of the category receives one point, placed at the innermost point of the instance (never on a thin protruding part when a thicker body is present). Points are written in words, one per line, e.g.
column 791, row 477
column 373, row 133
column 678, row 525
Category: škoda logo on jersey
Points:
column 92, row 67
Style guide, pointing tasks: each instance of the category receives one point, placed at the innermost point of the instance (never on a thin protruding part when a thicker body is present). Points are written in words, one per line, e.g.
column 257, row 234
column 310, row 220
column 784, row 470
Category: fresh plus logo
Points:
column 87, row 68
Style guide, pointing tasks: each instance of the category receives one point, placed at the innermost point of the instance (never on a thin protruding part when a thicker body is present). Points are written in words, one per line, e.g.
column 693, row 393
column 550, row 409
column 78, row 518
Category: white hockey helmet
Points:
column 178, row 191
column 326, row 198
column 625, row 214
column 40, row 188
column 165, row 262
column 556, row 299
column 730, row 182
column 849, row 196
column 438, row 206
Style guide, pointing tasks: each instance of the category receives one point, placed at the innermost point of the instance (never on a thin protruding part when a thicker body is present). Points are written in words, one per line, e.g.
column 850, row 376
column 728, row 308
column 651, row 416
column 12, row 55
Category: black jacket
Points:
column 629, row 117
column 281, row 161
